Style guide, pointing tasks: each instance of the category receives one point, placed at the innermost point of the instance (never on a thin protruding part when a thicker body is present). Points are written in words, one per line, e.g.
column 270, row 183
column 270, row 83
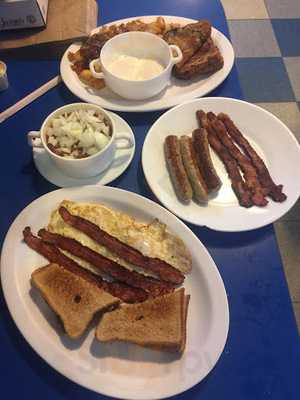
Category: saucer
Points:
column 121, row 161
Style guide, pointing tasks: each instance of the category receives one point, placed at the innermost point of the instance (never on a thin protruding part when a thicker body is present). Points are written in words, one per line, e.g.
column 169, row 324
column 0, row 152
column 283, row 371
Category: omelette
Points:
column 152, row 239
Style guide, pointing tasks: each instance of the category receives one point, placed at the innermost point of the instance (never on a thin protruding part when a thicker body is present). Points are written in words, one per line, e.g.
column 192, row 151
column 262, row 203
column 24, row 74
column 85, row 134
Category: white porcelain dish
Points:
column 121, row 161
column 140, row 46
column 269, row 136
column 81, row 167
column 120, row 371
column 177, row 92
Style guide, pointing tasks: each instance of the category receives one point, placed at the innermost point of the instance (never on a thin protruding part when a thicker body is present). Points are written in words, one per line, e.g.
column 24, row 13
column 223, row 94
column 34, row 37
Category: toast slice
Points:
column 74, row 299
column 207, row 59
column 184, row 320
column 159, row 323
column 189, row 38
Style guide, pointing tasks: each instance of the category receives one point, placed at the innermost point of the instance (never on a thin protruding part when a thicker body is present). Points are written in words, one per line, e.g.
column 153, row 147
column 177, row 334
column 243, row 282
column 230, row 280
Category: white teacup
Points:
column 88, row 166
column 140, row 45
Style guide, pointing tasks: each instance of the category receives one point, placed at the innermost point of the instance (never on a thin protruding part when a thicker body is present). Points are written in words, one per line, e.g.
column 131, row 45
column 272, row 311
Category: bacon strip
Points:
column 107, row 266
column 273, row 190
column 237, row 182
column 249, row 172
column 53, row 254
column 161, row 268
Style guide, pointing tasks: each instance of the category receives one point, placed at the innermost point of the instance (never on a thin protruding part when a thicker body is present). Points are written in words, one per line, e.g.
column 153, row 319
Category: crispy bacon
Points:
column 165, row 271
column 126, row 293
column 107, row 266
column 271, row 189
column 249, row 172
column 237, row 182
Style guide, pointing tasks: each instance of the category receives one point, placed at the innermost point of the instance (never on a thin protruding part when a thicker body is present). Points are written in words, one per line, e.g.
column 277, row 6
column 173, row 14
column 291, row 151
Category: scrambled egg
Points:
column 151, row 239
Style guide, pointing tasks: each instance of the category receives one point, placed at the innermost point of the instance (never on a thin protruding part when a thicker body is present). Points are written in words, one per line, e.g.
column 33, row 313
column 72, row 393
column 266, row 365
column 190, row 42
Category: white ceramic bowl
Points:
column 141, row 45
column 88, row 166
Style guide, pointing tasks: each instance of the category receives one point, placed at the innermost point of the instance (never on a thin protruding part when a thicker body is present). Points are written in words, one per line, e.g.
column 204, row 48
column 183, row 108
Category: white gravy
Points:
column 135, row 69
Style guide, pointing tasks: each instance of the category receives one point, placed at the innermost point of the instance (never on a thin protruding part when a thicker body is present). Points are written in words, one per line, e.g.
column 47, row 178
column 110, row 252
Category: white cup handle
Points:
column 98, row 75
column 34, row 139
column 126, row 143
column 175, row 59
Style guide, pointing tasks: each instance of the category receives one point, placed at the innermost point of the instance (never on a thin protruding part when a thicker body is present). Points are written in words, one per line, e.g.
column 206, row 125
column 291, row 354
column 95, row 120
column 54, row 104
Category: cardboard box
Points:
column 17, row 14
column 68, row 21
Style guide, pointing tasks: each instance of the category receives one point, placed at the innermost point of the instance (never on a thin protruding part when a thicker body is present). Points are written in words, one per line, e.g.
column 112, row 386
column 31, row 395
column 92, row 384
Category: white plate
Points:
column 178, row 92
column 122, row 371
column 269, row 136
column 122, row 159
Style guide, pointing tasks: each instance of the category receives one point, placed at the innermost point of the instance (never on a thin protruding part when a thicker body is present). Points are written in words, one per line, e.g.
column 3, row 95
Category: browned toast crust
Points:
column 184, row 322
column 158, row 324
column 71, row 297
column 189, row 38
column 206, row 60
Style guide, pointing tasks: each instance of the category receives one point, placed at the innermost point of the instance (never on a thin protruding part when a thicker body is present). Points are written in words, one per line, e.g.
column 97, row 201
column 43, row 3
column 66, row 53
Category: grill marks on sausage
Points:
column 162, row 269
column 179, row 177
column 198, row 184
column 125, row 292
column 107, row 266
column 201, row 147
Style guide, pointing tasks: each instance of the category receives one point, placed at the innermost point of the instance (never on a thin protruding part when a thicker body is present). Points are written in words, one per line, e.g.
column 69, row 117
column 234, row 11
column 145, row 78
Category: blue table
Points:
column 262, row 354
